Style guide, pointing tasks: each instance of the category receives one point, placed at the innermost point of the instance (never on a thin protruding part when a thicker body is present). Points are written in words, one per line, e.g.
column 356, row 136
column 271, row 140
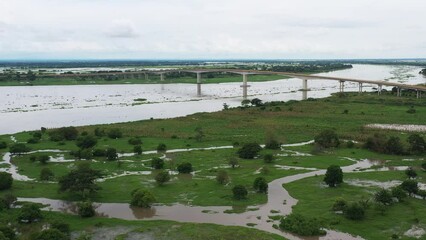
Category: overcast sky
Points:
column 194, row 29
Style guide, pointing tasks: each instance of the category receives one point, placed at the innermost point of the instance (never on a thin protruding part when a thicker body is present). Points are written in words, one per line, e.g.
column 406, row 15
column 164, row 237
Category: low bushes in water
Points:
column 301, row 225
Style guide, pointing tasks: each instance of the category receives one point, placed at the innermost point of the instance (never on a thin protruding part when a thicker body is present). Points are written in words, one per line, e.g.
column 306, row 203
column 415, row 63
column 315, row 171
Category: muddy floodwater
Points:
column 279, row 203
column 31, row 107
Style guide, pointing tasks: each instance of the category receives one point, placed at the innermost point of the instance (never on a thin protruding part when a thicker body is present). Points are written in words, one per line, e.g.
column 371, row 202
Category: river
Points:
column 24, row 108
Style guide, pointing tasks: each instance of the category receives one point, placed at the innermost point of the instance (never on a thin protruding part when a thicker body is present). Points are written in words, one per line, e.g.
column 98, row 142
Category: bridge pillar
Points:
column 379, row 89
column 398, row 92
column 146, row 75
column 305, row 84
column 342, row 86
column 419, row 94
column 360, row 87
column 198, row 84
column 245, row 86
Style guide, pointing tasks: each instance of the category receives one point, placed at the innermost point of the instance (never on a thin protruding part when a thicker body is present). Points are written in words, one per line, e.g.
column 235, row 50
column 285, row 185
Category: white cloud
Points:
column 122, row 29
column 212, row 29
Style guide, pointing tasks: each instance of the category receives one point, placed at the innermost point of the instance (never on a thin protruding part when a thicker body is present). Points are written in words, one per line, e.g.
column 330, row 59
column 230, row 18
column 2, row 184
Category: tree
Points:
column 233, row 162
column 271, row 142
column 135, row 141
column 8, row 232
column 417, row 144
column 142, row 198
column 115, row 133
column 327, row 139
column 111, row 154
column 398, row 193
column 86, row 209
column 43, row 159
column 162, row 177
column 3, row 237
column 18, row 148
column 333, row 176
column 199, row 134
column 31, row 76
column 184, row 168
column 161, row 147
column 394, row 146
column 249, row 150
column 137, row 149
column 383, row 196
column 85, row 142
column 99, row 132
column 80, row 180
column 423, row 166
column 260, row 185
column 3, row 145
column 51, row 234
column 222, row 177
column 29, row 212
column 354, row 211
column 46, row 174
column 245, row 103
column 239, row 192
column 256, row 102
column 157, row 163
column 410, row 173
column 268, row 158
column 410, row 186
column 6, row 181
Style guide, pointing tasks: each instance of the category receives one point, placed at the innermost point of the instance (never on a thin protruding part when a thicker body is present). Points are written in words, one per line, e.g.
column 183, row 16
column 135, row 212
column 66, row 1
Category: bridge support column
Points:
column 162, row 77
column 305, row 84
column 360, row 87
column 342, row 86
column 305, row 89
column 198, row 84
column 419, row 94
column 398, row 92
column 245, row 86
column 379, row 89
column 146, row 75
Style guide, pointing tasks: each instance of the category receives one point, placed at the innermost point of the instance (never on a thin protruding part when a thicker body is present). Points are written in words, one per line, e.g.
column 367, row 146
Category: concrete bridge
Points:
column 245, row 73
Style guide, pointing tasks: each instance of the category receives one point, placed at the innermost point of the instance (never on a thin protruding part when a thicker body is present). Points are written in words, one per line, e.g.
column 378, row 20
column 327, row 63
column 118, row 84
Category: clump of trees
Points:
column 240, row 192
column 333, row 176
column 142, row 198
column 327, row 139
column 301, row 225
column 86, row 209
column 249, row 150
column 46, row 174
column 29, row 212
column 162, row 177
column 184, row 168
column 19, row 148
column 260, row 185
column 115, row 133
column 157, row 163
column 271, row 142
column 393, row 145
column 6, row 181
column 80, row 180
column 161, row 147
column 64, row 133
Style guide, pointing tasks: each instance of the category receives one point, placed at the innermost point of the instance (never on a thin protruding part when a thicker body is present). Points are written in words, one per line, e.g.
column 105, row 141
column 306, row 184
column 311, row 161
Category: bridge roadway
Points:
column 305, row 77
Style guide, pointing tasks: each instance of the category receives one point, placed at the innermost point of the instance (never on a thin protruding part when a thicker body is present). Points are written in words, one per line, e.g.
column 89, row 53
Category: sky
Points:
column 215, row 29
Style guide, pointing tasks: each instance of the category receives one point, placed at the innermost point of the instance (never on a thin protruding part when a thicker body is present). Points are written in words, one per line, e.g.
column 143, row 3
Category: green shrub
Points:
column 86, row 209
column 142, row 198
column 249, row 150
column 184, row 168
column 240, row 192
column 6, row 181
column 304, row 226
column 354, row 211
